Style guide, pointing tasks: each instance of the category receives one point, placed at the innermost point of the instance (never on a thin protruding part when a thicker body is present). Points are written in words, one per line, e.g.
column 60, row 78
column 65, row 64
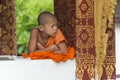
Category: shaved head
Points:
column 43, row 17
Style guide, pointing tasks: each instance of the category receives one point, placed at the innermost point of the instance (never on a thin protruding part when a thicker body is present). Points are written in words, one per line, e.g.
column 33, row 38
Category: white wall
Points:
column 117, row 33
column 22, row 69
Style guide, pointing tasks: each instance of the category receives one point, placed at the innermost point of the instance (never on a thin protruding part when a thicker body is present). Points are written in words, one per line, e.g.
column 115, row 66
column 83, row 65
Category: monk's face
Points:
column 50, row 28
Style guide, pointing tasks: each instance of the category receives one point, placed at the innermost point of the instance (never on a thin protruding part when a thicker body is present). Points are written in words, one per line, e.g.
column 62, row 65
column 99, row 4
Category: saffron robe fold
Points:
column 58, row 57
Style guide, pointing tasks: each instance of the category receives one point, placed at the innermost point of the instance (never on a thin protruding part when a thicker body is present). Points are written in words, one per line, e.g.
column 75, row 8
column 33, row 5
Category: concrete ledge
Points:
column 26, row 69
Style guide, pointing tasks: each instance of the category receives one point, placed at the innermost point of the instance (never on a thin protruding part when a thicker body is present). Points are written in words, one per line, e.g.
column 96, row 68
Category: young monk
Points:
column 47, row 29
column 47, row 37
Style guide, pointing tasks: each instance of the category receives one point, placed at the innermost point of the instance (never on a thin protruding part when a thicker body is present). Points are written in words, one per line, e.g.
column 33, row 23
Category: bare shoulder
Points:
column 34, row 31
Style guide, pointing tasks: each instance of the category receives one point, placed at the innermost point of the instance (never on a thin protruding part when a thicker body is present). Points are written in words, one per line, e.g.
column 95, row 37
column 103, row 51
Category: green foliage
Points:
column 27, row 12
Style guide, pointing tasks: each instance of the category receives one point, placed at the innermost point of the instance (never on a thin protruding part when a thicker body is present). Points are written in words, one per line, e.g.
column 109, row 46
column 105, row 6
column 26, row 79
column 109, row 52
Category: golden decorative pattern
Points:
column 84, row 8
column 85, row 52
column 85, row 36
column 8, row 28
column 84, row 25
column 103, row 16
column 109, row 65
column 85, row 62
column 2, row 8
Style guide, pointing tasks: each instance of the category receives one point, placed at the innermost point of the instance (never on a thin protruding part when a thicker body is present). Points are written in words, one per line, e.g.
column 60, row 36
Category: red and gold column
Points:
column 85, row 33
column 105, row 39
column 77, row 23
column 88, row 25
column 7, row 28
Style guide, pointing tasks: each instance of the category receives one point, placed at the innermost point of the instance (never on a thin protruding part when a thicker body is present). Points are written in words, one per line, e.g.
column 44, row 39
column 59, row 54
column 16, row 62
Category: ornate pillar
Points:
column 7, row 28
column 105, row 39
column 85, row 32
column 88, row 26
column 77, row 23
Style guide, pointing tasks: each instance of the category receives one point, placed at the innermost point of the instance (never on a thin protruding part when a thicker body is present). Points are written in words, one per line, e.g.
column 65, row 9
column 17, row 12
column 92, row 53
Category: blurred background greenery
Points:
column 27, row 12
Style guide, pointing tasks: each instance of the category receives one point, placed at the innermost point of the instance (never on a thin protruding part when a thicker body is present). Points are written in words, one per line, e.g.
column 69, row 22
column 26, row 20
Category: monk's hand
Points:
column 54, row 47
column 39, row 46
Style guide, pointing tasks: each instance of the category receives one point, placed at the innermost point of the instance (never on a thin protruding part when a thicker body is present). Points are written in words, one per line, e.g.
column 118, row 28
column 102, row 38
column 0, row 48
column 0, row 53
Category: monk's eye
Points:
column 52, row 25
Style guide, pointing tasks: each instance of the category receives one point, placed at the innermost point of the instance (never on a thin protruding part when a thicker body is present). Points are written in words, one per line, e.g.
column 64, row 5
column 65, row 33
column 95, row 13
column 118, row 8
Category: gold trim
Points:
column 2, row 8
column 103, row 12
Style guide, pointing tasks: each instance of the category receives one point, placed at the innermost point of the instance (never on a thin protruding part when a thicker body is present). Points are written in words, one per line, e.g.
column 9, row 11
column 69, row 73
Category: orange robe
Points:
column 51, row 55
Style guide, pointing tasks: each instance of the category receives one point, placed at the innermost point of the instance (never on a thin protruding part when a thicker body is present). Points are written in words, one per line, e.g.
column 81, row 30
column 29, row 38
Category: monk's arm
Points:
column 39, row 46
column 57, row 48
column 32, row 41
column 62, row 48
column 34, row 45
column 53, row 47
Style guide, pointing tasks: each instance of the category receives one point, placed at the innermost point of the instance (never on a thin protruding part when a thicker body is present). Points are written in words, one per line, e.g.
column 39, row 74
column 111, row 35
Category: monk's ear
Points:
column 41, row 27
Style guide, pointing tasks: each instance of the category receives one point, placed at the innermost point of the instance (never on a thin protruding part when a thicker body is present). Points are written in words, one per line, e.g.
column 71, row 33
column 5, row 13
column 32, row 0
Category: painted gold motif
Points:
column 89, row 29
column 103, row 15
column 8, row 26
